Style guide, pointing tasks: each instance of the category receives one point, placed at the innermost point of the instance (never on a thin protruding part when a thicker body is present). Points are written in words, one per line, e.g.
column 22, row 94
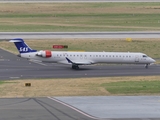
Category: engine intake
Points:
column 45, row 53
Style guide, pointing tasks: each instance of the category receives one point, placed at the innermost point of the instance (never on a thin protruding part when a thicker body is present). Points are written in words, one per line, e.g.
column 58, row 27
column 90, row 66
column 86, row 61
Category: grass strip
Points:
column 133, row 87
column 34, row 17
column 100, row 86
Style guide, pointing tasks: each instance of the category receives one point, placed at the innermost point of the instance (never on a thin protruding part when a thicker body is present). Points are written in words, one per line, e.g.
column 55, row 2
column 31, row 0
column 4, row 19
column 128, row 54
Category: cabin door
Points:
column 137, row 58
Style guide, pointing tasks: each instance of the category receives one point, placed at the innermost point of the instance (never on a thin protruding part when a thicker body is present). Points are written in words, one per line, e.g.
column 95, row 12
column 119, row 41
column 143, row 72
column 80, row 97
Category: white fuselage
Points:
column 92, row 57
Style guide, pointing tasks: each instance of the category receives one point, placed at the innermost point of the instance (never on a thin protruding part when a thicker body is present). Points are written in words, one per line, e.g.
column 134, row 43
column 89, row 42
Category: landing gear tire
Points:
column 146, row 66
column 76, row 67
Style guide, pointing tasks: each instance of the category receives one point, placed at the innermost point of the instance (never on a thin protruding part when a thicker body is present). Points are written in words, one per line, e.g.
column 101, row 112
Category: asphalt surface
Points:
column 51, row 35
column 13, row 67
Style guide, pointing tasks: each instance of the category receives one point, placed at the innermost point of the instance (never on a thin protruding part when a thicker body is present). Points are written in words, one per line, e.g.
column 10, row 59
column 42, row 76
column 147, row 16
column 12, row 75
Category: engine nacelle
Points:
column 45, row 53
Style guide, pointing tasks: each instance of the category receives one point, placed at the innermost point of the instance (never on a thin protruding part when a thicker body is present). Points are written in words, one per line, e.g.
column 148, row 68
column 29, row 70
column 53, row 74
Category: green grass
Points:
column 2, row 82
column 79, row 17
column 132, row 87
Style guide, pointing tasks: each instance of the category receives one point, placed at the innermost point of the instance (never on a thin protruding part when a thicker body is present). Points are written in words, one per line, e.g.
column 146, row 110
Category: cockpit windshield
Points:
column 145, row 56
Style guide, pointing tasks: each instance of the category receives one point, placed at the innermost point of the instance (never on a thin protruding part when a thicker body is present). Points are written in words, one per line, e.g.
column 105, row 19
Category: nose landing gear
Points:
column 146, row 66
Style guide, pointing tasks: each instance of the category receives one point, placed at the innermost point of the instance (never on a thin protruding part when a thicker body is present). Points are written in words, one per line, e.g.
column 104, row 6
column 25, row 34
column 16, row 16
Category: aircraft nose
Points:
column 152, row 60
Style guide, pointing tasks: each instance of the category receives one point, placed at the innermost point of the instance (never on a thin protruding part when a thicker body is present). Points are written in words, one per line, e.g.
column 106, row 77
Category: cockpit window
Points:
column 144, row 55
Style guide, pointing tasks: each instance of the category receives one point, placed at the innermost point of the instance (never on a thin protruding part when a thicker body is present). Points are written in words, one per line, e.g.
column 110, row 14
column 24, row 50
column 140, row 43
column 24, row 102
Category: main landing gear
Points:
column 146, row 66
column 76, row 67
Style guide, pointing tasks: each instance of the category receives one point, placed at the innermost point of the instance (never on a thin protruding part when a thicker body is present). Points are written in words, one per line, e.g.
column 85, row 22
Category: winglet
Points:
column 69, row 61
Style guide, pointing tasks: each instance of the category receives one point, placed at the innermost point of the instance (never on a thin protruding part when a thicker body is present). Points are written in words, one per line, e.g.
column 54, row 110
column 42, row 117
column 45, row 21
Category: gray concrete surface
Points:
column 36, row 109
column 13, row 67
column 143, row 107
column 81, row 108
column 52, row 35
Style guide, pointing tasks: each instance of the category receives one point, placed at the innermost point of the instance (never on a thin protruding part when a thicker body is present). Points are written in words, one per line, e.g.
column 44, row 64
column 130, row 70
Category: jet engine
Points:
column 44, row 53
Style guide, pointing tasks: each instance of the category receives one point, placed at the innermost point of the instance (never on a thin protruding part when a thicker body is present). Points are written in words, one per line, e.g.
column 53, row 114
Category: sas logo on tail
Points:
column 23, row 49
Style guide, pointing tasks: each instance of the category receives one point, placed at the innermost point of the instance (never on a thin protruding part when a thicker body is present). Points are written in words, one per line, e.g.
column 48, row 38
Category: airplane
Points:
column 81, row 58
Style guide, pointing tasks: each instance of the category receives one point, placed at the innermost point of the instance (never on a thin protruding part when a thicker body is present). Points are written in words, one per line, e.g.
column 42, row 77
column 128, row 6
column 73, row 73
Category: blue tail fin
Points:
column 21, row 45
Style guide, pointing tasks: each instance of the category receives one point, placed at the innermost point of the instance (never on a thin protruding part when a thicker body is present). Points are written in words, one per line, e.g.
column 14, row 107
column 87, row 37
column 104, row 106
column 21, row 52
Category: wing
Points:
column 76, row 62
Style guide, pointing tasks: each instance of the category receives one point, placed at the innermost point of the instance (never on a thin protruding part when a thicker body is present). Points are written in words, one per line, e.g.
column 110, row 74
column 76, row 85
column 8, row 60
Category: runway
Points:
column 13, row 67
column 52, row 35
